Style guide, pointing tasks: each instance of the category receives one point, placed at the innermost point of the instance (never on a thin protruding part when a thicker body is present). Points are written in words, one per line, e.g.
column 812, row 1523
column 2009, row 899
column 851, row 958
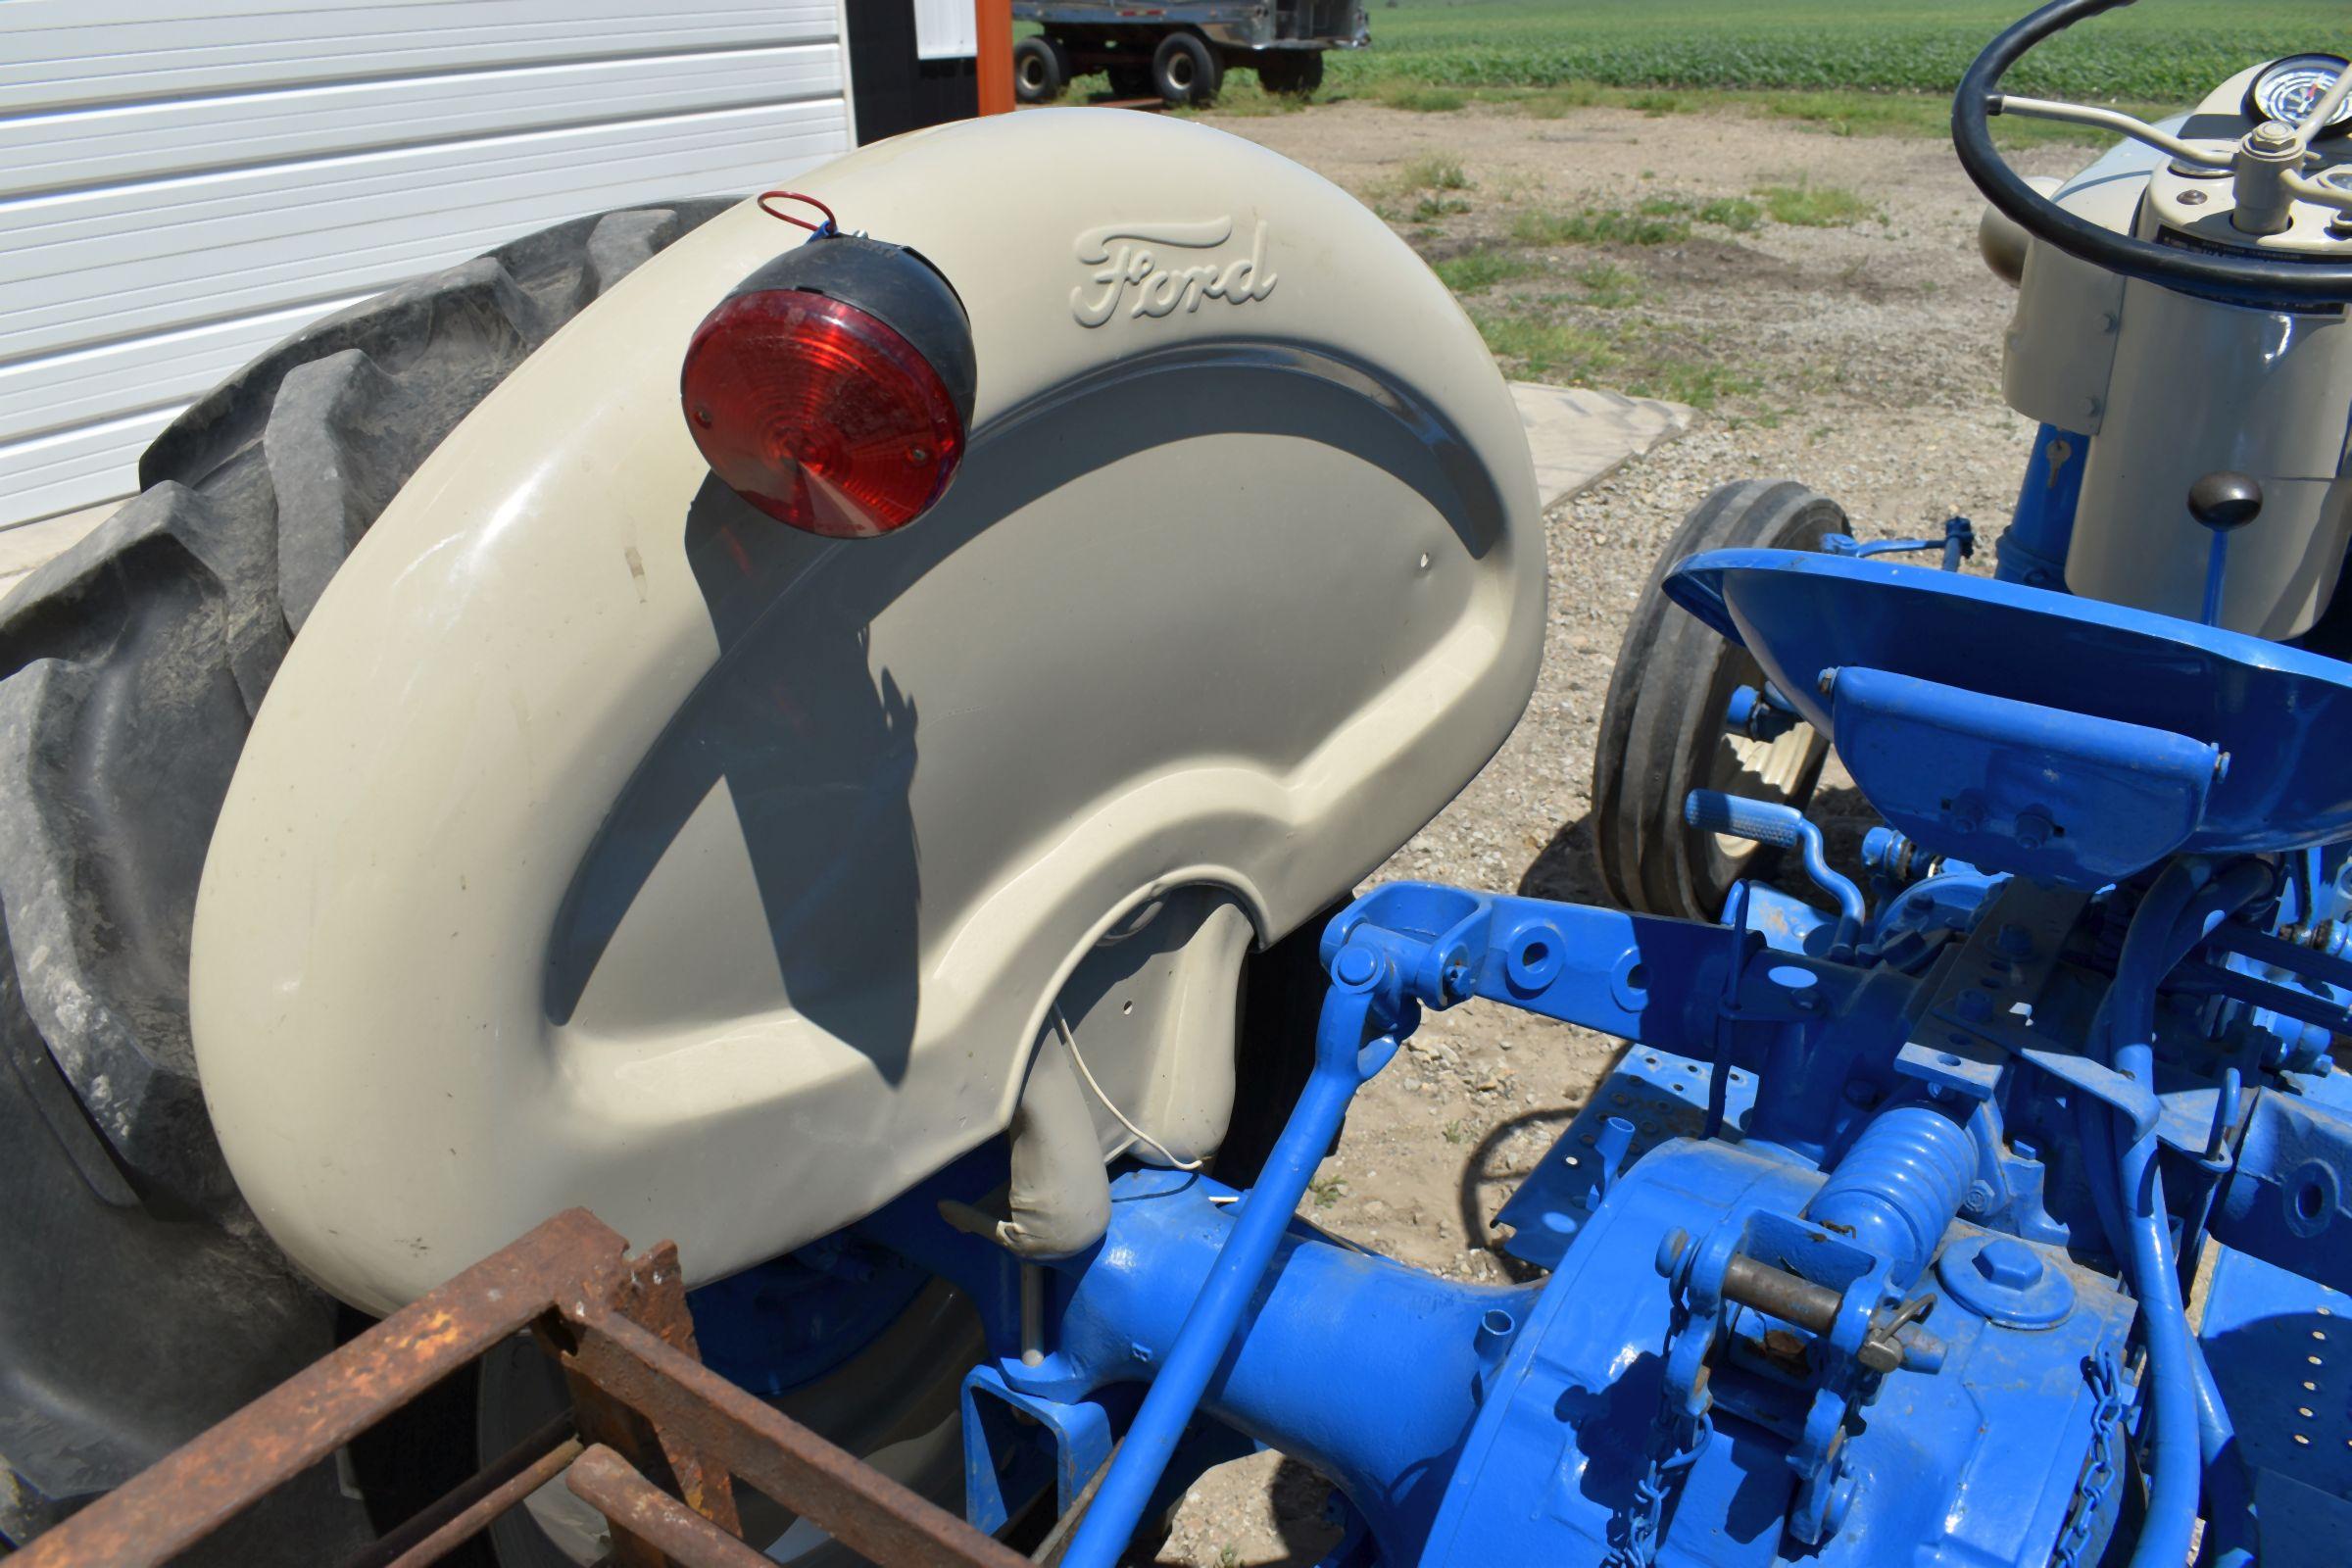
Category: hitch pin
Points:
column 1892, row 1342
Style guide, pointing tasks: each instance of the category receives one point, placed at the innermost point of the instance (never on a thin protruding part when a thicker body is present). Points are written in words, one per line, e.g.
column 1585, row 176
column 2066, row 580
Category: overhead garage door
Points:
column 179, row 190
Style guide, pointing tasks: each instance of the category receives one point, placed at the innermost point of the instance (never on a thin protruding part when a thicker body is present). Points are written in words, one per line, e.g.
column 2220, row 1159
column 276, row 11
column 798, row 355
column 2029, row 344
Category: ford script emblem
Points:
column 1154, row 267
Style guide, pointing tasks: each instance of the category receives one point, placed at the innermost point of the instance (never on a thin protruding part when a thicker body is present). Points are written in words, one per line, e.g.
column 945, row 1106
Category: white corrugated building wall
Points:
column 178, row 189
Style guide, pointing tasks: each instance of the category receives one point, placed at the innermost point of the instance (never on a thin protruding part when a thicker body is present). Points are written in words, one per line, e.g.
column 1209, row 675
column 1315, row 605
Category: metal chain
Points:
column 2106, row 1382
column 1675, row 1441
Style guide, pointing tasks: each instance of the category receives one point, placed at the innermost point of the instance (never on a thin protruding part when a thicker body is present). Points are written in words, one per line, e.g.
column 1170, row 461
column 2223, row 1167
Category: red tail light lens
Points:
column 818, row 413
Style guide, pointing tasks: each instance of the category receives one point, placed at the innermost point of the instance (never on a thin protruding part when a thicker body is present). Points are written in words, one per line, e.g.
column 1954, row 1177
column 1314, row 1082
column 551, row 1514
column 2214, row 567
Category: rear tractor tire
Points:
column 1185, row 70
column 1663, row 730
column 130, row 668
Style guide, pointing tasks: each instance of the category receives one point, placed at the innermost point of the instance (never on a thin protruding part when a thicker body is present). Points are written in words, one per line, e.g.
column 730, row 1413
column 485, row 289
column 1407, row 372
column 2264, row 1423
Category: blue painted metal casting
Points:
column 1872, row 1249
column 1855, row 1259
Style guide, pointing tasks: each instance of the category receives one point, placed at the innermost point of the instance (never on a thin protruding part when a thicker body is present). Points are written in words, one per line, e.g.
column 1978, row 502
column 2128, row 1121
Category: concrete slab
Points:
column 1581, row 435
column 27, row 545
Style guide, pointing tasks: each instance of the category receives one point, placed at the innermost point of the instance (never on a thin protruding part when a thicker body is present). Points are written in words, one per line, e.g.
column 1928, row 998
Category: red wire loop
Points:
column 830, row 223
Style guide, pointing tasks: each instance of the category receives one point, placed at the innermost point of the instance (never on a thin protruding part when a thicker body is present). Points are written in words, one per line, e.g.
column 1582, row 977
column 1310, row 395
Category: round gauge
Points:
column 2289, row 90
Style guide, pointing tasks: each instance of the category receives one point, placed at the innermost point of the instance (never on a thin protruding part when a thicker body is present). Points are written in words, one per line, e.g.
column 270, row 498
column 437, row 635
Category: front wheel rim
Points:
column 1779, row 771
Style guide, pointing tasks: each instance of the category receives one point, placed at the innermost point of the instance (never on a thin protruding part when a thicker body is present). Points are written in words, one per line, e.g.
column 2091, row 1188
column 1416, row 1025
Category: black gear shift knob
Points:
column 2225, row 500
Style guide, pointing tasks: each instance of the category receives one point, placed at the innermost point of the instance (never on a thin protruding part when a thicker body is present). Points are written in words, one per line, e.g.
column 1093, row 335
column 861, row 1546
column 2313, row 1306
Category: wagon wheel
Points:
column 1185, row 70
column 1041, row 70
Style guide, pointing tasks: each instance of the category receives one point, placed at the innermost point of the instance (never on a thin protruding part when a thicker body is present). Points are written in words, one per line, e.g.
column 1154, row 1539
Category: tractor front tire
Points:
column 1662, row 728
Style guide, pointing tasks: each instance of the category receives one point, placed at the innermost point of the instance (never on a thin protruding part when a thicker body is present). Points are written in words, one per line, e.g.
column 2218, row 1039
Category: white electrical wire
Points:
column 1070, row 1039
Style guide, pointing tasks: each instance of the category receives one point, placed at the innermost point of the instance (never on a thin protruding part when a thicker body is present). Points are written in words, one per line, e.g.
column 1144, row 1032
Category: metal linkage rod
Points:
column 2170, row 921
column 1344, row 1060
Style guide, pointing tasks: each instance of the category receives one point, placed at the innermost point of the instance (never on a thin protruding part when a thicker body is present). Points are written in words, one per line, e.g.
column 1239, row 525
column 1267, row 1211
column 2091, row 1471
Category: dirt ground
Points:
column 1868, row 354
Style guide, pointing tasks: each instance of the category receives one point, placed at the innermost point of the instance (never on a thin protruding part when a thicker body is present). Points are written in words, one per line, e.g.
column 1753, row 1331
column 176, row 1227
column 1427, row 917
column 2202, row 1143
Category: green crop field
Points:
column 2159, row 51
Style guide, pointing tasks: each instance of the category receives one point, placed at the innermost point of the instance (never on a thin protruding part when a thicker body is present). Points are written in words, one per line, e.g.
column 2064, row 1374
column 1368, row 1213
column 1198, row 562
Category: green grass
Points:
column 1240, row 95
column 1735, row 213
column 1815, row 206
column 1599, row 225
column 1839, row 112
column 1634, row 357
column 1473, row 270
column 1610, row 287
column 1425, row 100
column 2161, row 51
column 1668, row 219
column 1436, row 172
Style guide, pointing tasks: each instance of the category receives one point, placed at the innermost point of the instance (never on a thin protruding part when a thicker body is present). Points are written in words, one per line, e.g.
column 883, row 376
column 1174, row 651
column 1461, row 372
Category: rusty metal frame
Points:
column 653, row 1440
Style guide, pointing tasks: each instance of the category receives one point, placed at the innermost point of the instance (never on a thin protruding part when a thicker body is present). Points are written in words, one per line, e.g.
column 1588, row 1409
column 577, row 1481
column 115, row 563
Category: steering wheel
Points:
column 2266, row 164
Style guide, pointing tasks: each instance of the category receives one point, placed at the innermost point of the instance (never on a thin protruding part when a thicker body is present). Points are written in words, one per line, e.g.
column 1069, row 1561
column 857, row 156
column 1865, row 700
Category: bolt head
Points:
column 2011, row 1265
column 2014, row 941
column 1355, row 967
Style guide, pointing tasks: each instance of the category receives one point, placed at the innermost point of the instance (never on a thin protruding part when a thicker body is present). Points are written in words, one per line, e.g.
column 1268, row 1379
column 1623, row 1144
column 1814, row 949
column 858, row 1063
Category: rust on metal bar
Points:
column 849, row 1500
column 440, row 1527
column 637, row 1507
column 198, row 1487
column 651, row 1293
column 645, row 1411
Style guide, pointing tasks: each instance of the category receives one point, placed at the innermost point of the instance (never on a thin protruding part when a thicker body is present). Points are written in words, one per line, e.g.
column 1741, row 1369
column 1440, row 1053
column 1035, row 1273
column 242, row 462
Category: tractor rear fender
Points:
column 603, row 841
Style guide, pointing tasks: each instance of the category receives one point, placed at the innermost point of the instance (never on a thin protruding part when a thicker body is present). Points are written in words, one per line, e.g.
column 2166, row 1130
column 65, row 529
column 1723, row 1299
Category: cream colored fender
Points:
column 603, row 842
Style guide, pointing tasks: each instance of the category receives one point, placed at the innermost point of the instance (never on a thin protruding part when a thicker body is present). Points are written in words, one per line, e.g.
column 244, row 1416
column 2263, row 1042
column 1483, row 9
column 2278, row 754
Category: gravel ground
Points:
column 1866, row 353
